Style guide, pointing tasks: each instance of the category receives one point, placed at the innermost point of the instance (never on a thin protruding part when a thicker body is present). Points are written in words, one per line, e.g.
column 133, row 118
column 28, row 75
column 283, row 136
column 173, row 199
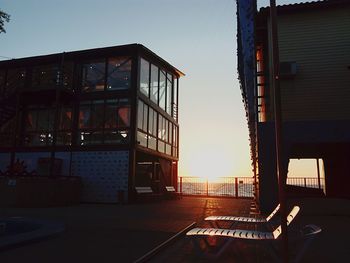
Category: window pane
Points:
column 45, row 77
column 140, row 114
column 152, row 143
column 162, row 90
column 6, row 139
column 175, row 136
column 142, row 139
column 160, row 126
column 84, row 116
column 168, row 149
column 119, row 72
column 97, row 114
column 154, row 84
column 155, row 117
column 144, row 77
column 152, row 122
column 65, row 119
column 124, row 117
column 91, row 137
column 111, row 116
column 64, row 138
column 161, row 146
column 43, row 120
column 119, row 137
column 170, row 138
column 68, row 72
column 93, row 76
column 165, row 128
column 15, row 80
column 6, row 132
column 169, row 93
column 145, row 117
column 31, row 120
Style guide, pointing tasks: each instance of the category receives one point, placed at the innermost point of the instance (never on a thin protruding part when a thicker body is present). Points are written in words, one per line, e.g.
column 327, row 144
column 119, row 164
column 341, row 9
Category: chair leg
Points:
column 302, row 250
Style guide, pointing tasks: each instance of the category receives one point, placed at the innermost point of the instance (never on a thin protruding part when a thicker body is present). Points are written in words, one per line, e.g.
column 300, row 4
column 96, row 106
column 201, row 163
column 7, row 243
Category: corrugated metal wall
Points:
column 319, row 42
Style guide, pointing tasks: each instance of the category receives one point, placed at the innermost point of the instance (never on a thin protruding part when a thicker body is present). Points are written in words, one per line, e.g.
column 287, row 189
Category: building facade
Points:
column 314, row 77
column 108, row 115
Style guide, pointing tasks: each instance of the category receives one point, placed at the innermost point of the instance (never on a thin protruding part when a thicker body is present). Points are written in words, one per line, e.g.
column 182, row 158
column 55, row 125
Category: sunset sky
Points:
column 196, row 36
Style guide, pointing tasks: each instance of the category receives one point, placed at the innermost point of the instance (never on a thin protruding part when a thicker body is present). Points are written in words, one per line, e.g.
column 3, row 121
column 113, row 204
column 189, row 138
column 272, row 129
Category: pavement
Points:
column 124, row 233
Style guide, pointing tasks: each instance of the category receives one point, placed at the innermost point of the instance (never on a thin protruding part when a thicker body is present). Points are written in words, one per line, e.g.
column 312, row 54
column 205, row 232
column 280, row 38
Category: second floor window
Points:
column 93, row 76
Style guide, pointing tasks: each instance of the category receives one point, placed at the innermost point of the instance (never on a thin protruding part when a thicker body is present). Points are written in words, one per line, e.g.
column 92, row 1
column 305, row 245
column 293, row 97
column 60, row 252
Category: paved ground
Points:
column 114, row 233
column 123, row 233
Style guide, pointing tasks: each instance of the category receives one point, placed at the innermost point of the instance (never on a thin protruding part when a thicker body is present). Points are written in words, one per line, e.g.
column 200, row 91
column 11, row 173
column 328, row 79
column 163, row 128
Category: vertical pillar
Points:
column 16, row 131
column 236, row 187
column 207, row 187
column 281, row 168
column 181, row 184
column 58, row 90
column 318, row 173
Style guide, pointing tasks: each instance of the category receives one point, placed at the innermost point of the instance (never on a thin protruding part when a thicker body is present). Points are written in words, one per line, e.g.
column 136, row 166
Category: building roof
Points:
column 130, row 49
column 307, row 6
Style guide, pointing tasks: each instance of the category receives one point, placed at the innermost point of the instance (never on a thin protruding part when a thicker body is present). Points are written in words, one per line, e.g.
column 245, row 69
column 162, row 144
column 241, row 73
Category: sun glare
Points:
column 210, row 163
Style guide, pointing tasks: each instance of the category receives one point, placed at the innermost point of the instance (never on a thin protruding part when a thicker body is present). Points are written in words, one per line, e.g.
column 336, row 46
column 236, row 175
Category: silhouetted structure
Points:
column 108, row 115
column 314, row 78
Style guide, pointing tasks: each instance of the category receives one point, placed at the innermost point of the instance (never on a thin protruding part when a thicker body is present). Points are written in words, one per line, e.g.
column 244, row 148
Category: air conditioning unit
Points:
column 288, row 69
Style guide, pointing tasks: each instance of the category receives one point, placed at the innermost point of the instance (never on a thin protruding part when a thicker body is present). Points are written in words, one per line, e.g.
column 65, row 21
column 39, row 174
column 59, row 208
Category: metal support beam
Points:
column 281, row 169
column 318, row 173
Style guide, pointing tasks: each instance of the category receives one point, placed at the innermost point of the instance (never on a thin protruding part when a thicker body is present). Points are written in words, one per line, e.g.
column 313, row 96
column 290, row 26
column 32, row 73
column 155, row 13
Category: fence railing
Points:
column 221, row 186
column 235, row 186
column 307, row 182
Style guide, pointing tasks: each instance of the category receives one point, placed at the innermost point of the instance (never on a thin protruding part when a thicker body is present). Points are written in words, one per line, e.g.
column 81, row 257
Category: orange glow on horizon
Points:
column 210, row 162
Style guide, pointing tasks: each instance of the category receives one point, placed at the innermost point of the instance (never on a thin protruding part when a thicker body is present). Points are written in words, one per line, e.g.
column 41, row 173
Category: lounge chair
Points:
column 214, row 220
column 266, row 239
column 170, row 192
column 145, row 193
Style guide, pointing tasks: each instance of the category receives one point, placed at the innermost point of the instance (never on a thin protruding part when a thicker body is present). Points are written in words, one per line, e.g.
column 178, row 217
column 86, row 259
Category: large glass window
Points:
column 175, row 140
column 169, row 138
column 152, row 129
column 44, row 77
column 102, row 122
column 142, row 122
column 144, row 77
column 15, row 80
column 155, row 131
column 93, row 76
column 152, row 122
column 6, row 133
column 39, row 125
column 162, row 133
column 154, row 84
column 162, row 90
column 169, row 93
column 119, row 73
column 68, row 72
column 64, row 133
column 142, row 116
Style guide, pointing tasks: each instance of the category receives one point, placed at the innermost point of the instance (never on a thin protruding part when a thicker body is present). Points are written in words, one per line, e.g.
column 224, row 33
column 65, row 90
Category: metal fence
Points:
column 307, row 182
column 222, row 186
column 235, row 186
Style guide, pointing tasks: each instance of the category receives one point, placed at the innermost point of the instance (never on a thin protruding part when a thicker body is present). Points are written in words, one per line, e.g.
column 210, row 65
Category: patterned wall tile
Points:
column 5, row 160
column 104, row 174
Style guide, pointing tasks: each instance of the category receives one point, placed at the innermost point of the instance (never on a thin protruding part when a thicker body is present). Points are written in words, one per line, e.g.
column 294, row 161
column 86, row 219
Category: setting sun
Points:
column 211, row 162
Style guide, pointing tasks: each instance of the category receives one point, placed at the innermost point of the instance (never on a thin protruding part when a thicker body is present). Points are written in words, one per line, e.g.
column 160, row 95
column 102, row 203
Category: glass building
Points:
column 108, row 115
